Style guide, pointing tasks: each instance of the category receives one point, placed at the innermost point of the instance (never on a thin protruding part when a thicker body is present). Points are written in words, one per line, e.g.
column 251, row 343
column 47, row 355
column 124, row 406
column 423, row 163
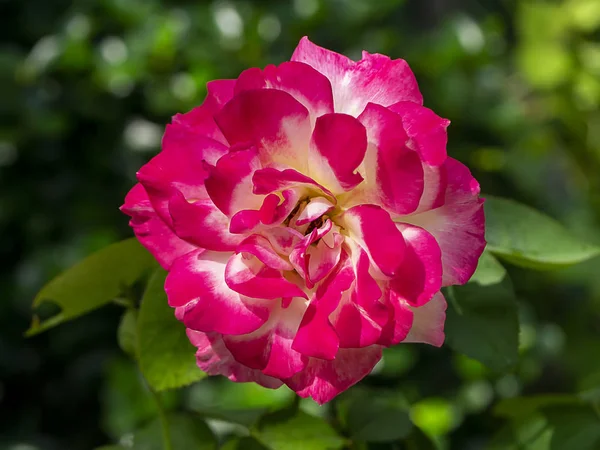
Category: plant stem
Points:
column 166, row 432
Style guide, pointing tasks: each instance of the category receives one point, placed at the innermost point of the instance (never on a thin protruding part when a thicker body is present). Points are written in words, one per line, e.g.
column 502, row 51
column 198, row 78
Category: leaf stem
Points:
column 166, row 432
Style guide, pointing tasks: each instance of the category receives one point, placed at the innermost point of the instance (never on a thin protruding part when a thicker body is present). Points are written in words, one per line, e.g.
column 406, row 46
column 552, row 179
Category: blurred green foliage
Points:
column 86, row 87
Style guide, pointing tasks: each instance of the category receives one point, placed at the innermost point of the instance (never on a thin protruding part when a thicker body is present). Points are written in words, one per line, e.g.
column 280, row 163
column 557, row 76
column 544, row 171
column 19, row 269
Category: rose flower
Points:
column 308, row 216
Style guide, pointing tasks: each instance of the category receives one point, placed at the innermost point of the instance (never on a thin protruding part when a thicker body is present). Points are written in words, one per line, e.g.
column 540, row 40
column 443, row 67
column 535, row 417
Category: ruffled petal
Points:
column 215, row 359
column 420, row 276
column 152, row 232
column 229, row 183
column 393, row 172
column 196, row 287
column 218, row 93
column 372, row 228
column 323, row 380
column 248, row 276
column 271, row 120
column 309, row 87
column 375, row 78
column 181, row 166
column 202, row 223
column 360, row 316
column 458, row 225
column 428, row 322
column 338, row 147
column 269, row 348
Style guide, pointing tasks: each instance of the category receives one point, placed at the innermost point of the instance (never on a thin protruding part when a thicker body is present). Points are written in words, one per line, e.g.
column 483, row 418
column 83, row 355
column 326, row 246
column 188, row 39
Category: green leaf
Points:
column 517, row 407
column 127, row 334
column 376, row 418
column 575, row 427
column 482, row 320
column 187, row 432
column 528, row 238
column 291, row 430
column 245, row 443
column 166, row 357
column 93, row 282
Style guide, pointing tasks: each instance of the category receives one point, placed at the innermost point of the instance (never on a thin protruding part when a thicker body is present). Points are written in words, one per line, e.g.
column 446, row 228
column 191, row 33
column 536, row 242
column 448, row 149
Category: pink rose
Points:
column 308, row 216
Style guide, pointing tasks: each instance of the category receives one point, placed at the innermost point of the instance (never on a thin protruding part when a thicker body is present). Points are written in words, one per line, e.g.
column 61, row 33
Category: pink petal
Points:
column 219, row 92
column 458, row 226
column 196, row 287
column 393, row 172
column 202, row 224
column 323, row 380
column 269, row 348
column 304, row 83
column 316, row 207
column 215, row 359
column 322, row 258
column 244, row 222
column 372, row 228
column 229, row 184
column 428, row 322
column 375, row 78
column 299, row 256
column 273, row 180
column 179, row 167
column 426, row 130
column 260, row 247
column 283, row 240
column 360, row 316
column 250, row 277
column 338, row 146
column 273, row 121
column 400, row 320
column 316, row 336
column 197, row 122
column 420, row 276
column 151, row 231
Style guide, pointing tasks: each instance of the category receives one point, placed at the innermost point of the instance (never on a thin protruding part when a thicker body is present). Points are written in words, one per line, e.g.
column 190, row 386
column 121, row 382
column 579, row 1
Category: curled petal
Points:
column 270, row 180
column 201, row 223
column 269, row 348
column 152, row 232
column 219, row 92
column 372, row 228
column 420, row 276
column 394, row 175
column 323, row 380
column 271, row 120
column 428, row 322
column 196, row 287
column 178, row 168
column 458, row 225
column 214, row 358
column 314, row 209
column 229, row 184
column 252, row 278
column 360, row 316
column 338, row 146
column 260, row 247
column 305, row 84
column 375, row 78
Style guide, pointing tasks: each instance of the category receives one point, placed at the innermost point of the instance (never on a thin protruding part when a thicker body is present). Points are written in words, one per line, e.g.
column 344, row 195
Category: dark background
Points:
column 86, row 87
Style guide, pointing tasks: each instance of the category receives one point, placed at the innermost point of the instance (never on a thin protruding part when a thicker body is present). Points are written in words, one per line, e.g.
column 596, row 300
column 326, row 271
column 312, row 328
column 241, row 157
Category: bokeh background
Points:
column 86, row 87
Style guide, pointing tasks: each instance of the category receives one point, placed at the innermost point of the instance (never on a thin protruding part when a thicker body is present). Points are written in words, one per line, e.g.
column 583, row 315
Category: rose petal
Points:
column 372, row 228
column 152, row 232
column 305, row 84
column 375, row 78
column 428, row 322
column 215, row 359
column 196, row 287
column 271, row 120
column 323, row 380
column 458, row 226
column 338, row 146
